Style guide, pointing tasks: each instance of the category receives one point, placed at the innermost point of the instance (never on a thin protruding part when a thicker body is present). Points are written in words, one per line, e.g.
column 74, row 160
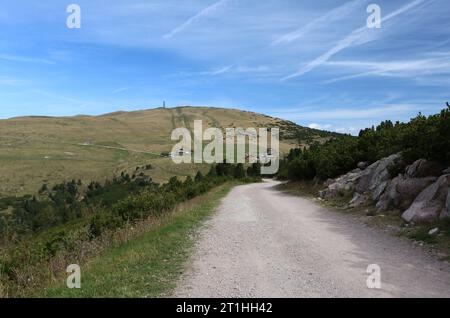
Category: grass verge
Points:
column 147, row 266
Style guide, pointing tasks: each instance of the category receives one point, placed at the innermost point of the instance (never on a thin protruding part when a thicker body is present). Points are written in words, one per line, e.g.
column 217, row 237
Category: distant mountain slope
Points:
column 36, row 150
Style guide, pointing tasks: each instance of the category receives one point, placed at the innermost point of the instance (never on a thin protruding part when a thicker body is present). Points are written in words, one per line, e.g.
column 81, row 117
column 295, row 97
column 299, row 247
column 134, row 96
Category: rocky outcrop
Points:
column 342, row 185
column 374, row 178
column 362, row 165
column 370, row 183
column 379, row 190
column 359, row 200
column 445, row 214
column 431, row 203
column 401, row 192
column 423, row 168
column 419, row 191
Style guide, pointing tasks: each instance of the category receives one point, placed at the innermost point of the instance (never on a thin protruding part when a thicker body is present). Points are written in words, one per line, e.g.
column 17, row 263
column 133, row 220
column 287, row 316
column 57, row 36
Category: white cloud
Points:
column 347, row 130
column 319, row 126
column 358, row 36
column 24, row 59
column 221, row 70
column 405, row 68
column 340, row 129
column 331, row 16
column 362, row 113
column 120, row 90
column 385, row 111
column 204, row 12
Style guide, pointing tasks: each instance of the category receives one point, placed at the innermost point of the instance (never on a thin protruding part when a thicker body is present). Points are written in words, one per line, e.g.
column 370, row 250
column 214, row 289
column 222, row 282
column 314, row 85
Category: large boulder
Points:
column 445, row 214
column 430, row 204
column 423, row 168
column 379, row 190
column 386, row 199
column 374, row 178
column 401, row 192
column 371, row 182
column 362, row 165
column 342, row 185
column 331, row 192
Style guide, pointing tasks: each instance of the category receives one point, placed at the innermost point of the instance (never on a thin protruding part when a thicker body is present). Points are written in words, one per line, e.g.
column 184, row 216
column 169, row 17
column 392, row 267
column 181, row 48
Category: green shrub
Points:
column 423, row 137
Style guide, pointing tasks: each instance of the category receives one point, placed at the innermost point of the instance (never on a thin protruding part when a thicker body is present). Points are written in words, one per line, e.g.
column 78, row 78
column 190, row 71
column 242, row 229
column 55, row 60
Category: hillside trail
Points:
column 264, row 243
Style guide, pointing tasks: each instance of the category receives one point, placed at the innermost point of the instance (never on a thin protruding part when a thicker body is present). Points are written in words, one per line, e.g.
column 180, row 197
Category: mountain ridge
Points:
column 39, row 149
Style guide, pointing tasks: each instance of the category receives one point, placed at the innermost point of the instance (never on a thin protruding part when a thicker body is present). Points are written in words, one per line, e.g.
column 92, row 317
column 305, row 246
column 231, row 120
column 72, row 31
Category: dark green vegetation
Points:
column 422, row 137
column 303, row 135
column 40, row 235
column 149, row 265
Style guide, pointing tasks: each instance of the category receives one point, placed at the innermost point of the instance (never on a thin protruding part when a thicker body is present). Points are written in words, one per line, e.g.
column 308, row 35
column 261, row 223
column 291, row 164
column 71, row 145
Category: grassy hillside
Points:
column 38, row 150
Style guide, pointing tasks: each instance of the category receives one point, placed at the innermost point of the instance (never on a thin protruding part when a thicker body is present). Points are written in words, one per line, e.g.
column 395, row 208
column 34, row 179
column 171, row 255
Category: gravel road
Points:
column 264, row 243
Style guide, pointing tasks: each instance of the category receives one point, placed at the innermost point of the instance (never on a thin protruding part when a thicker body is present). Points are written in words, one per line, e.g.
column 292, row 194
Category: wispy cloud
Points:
column 409, row 68
column 331, row 16
column 358, row 36
column 234, row 69
column 220, row 70
column 24, row 59
column 10, row 81
column 120, row 90
column 243, row 69
column 203, row 13
column 385, row 111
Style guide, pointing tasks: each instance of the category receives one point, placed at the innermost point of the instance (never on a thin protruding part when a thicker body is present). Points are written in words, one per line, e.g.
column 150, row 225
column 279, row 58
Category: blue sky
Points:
column 312, row 62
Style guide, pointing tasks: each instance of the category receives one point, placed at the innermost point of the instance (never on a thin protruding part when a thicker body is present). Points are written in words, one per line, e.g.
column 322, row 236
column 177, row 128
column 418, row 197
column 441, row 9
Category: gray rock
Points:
column 328, row 182
column 430, row 203
column 445, row 214
column 423, row 168
column 379, row 189
column 374, row 175
column 342, row 185
column 383, row 204
column 359, row 200
column 386, row 201
column 335, row 190
column 362, row 165
column 329, row 193
column 434, row 231
column 401, row 192
column 410, row 188
column 446, row 171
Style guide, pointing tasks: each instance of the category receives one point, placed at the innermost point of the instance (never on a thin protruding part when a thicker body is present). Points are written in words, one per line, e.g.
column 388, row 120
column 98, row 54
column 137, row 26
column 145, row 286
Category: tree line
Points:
column 421, row 137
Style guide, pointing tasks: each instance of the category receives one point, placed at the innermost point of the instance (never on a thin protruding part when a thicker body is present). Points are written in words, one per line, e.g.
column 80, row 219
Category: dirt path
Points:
column 263, row 243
